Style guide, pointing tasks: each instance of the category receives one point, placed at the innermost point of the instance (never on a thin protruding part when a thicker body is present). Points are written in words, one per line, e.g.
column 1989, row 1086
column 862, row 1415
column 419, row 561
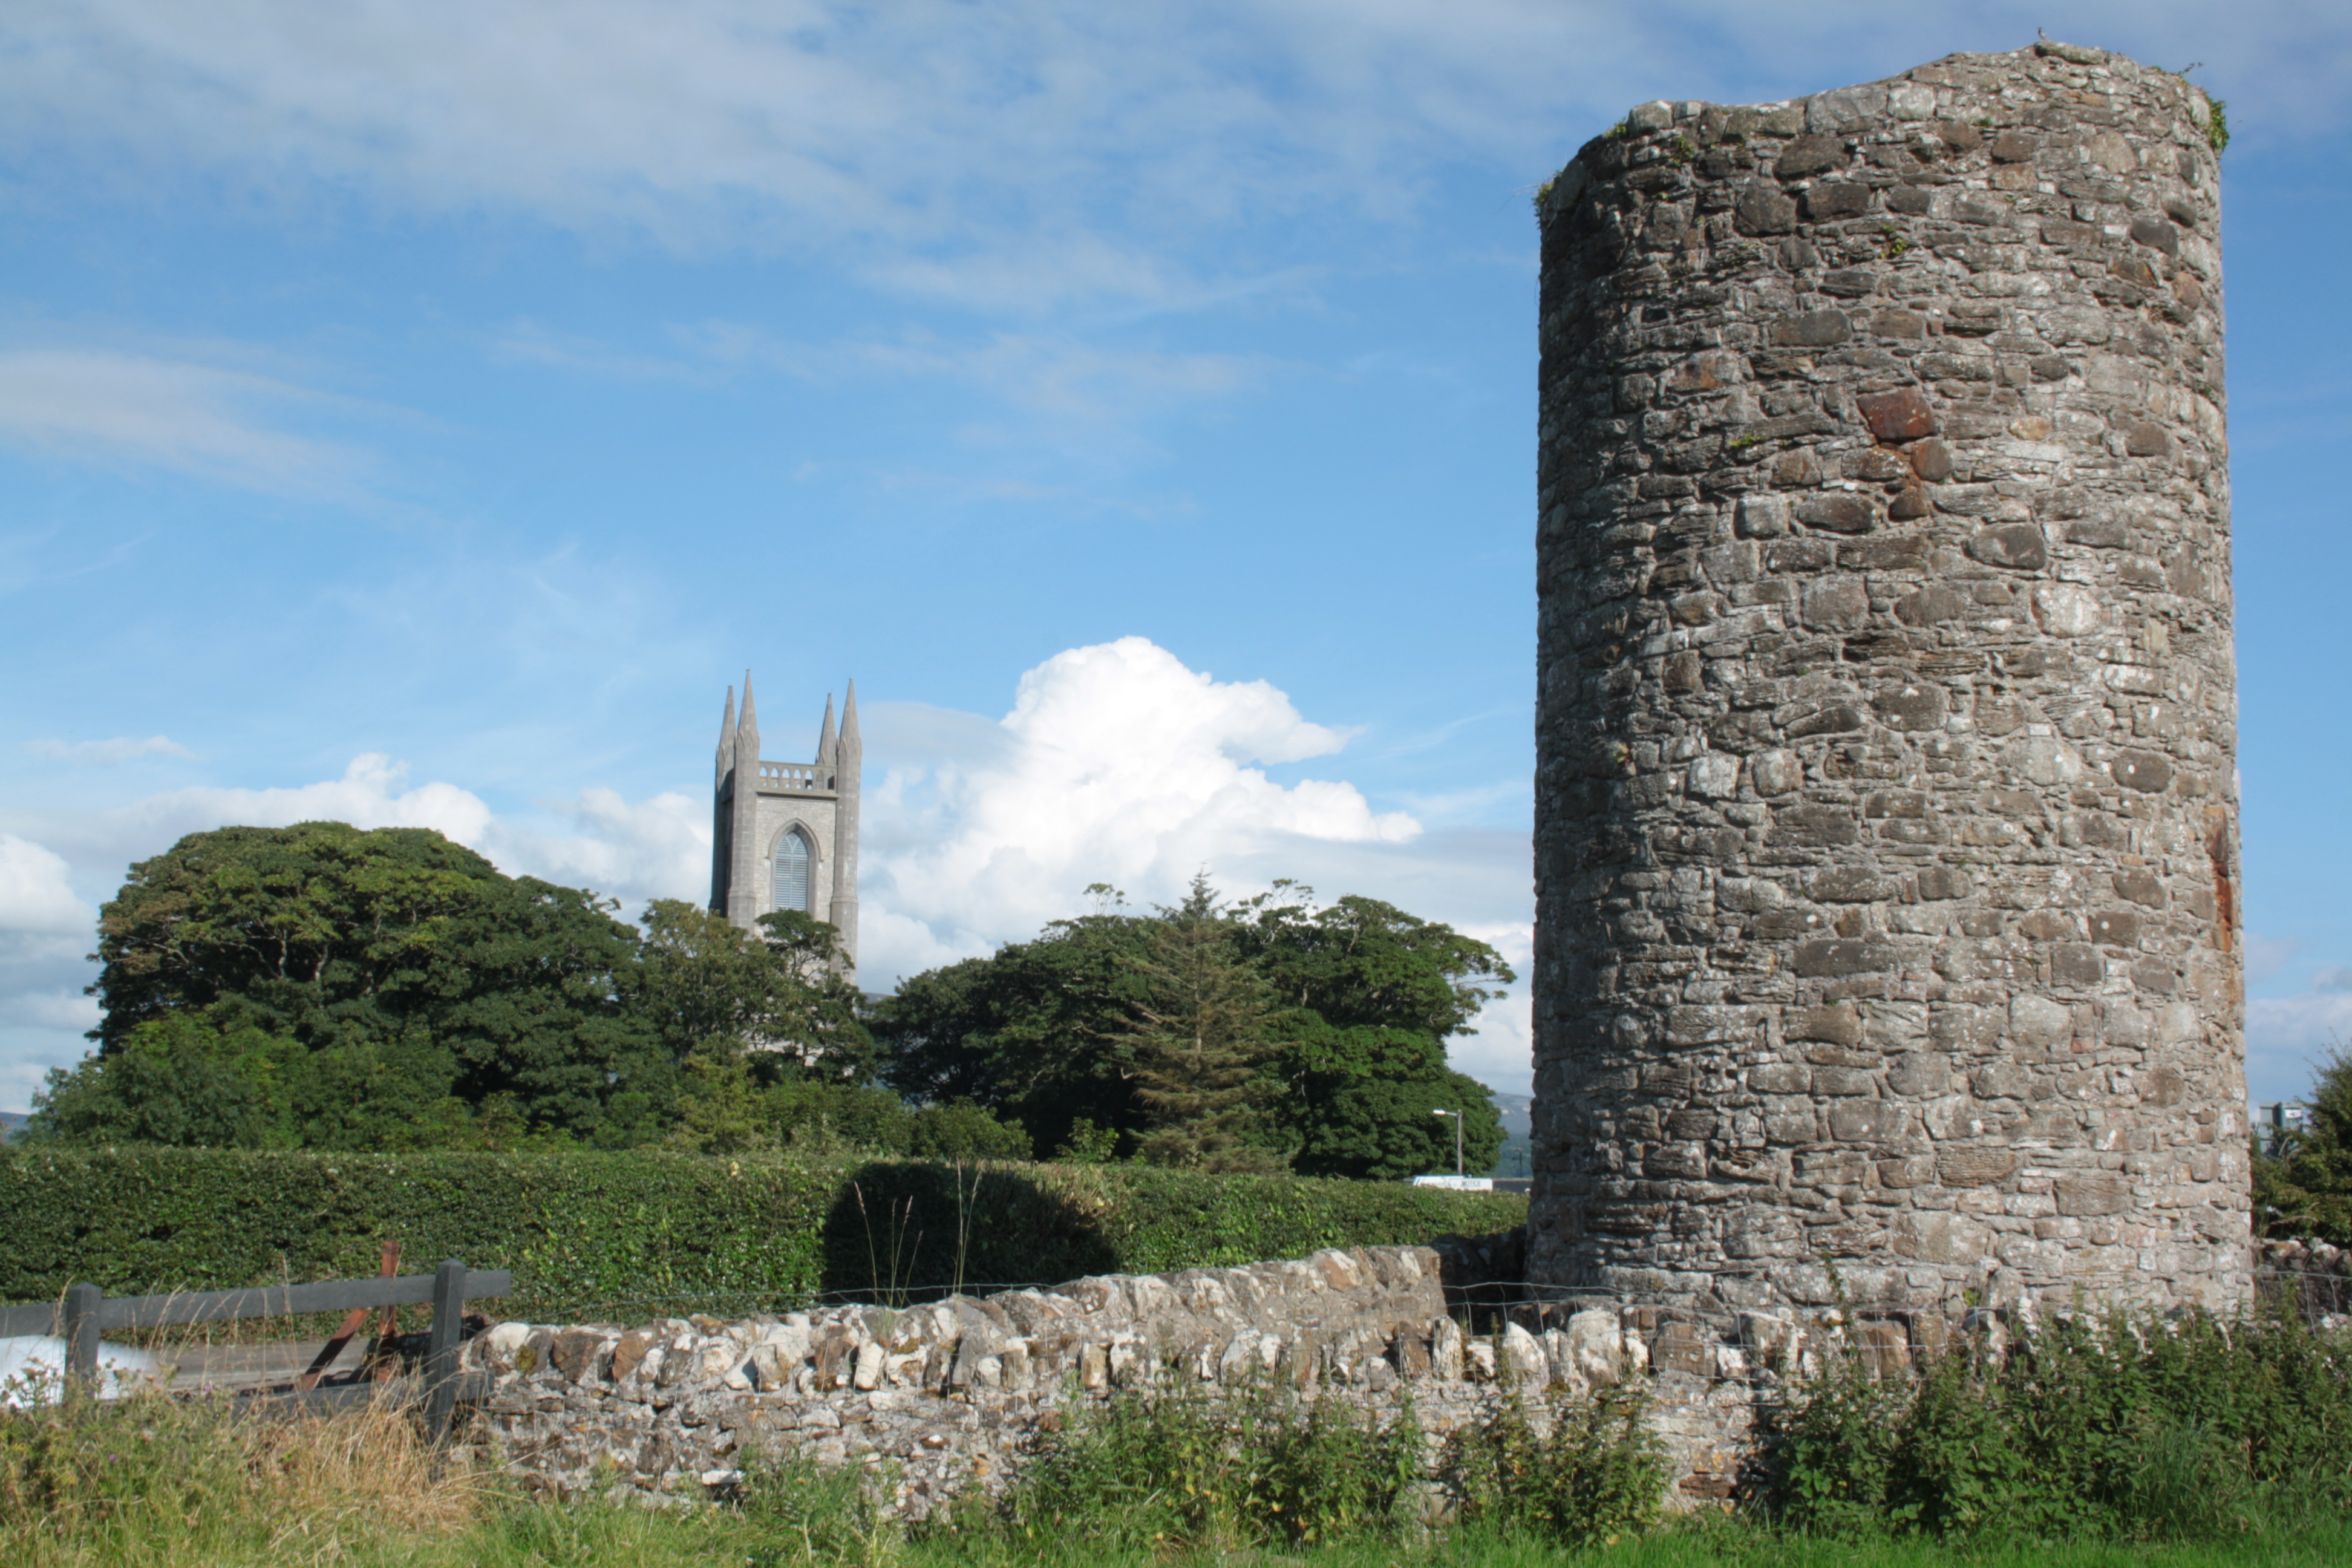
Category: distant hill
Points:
column 1513, row 1159
column 1516, row 1110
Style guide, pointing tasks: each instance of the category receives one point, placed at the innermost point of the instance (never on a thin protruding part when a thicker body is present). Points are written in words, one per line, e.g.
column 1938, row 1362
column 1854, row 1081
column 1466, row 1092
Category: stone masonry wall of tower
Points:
column 1886, row 842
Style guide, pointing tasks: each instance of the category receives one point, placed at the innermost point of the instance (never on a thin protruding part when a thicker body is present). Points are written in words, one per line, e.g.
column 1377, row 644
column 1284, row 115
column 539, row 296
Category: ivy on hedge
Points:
column 612, row 1235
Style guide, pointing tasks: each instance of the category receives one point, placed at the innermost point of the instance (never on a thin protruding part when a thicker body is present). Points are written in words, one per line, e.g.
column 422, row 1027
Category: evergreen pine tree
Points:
column 1200, row 1039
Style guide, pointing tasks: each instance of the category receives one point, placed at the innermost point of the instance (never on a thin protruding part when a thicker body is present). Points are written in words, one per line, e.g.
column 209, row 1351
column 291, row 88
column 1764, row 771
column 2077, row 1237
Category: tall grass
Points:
column 153, row 1480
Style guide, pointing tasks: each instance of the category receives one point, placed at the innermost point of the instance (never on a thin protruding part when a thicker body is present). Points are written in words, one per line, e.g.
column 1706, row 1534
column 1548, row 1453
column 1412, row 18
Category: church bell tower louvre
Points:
column 784, row 835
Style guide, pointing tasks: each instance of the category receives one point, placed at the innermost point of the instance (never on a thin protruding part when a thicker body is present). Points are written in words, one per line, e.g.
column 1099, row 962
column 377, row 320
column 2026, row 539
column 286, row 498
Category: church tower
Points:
column 784, row 835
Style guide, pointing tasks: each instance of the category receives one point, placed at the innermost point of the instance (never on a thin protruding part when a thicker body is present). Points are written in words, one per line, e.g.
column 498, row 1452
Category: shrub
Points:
column 801, row 1513
column 648, row 1232
column 1598, row 1473
column 1177, row 1467
column 2115, row 1426
column 962, row 1130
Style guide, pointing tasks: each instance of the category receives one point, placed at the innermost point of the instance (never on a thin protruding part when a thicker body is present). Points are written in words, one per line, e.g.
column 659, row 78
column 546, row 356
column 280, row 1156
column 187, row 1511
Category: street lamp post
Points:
column 1457, row 1139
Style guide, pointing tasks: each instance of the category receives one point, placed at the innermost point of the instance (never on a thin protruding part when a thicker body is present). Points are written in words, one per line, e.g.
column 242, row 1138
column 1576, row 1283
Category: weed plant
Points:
column 1598, row 1473
column 1172, row 1467
column 2095, row 1427
column 796, row 1512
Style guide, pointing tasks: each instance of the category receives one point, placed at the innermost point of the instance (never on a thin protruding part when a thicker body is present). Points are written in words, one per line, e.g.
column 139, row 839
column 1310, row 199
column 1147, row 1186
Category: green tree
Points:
column 175, row 1079
column 2304, row 1189
column 1363, row 1102
column 1200, row 1040
column 1034, row 1034
column 407, row 970
column 962, row 1130
column 1360, row 998
column 1373, row 996
column 705, row 987
column 1359, row 961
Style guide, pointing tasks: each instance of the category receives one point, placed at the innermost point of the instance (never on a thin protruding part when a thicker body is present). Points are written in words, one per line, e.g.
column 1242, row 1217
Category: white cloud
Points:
column 2287, row 1037
column 194, row 419
column 108, row 754
column 369, row 795
column 1116, row 764
column 1499, row 1051
column 1015, row 153
column 36, row 890
column 656, row 848
column 68, row 1010
column 45, row 931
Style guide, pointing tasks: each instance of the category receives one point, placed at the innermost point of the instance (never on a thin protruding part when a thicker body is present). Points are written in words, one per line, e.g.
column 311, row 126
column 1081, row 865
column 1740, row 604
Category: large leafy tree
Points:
column 1363, row 1101
column 353, row 989
column 1036, row 1032
column 323, row 987
column 709, row 989
column 1373, row 994
column 1353, row 1003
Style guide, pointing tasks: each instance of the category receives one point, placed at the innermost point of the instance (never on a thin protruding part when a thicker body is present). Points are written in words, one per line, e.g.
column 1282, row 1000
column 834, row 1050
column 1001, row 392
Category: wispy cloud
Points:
column 2266, row 956
column 1067, row 378
column 529, row 343
column 2287, row 1035
column 1058, row 390
column 1013, row 155
column 220, row 424
column 108, row 754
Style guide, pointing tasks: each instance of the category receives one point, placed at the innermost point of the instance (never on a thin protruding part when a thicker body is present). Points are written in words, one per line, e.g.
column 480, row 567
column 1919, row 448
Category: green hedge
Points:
column 644, row 1234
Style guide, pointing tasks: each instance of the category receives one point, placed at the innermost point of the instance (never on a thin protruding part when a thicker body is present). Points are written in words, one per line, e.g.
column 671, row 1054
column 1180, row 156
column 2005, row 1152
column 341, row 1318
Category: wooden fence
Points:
column 86, row 1313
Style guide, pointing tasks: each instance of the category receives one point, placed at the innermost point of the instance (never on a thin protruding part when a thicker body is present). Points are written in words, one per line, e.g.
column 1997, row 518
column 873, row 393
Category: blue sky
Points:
column 421, row 413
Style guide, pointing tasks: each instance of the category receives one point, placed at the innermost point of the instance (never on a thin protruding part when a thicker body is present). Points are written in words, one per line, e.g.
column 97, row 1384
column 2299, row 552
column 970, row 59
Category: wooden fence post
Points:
column 441, row 1352
column 82, row 1302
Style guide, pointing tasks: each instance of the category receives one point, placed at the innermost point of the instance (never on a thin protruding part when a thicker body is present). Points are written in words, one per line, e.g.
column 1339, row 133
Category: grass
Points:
column 609, row 1535
column 2066, row 1439
column 151, row 1481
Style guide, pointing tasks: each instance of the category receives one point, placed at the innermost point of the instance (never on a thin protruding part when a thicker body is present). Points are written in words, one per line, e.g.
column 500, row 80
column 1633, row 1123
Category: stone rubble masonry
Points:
column 1886, row 833
column 950, row 1398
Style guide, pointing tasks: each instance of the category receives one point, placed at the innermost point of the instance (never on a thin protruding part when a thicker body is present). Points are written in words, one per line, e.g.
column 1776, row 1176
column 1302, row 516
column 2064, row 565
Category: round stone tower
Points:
column 1886, row 809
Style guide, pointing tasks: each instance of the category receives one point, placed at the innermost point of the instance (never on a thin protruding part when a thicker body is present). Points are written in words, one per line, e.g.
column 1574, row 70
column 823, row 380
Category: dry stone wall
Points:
column 951, row 1398
column 1886, row 837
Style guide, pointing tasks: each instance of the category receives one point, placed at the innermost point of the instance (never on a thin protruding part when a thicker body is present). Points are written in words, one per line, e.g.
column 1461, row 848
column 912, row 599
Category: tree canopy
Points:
column 2303, row 1187
column 324, row 986
column 1340, row 1013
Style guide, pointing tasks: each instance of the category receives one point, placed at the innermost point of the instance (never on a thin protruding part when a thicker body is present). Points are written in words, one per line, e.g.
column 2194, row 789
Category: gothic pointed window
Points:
column 791, row 872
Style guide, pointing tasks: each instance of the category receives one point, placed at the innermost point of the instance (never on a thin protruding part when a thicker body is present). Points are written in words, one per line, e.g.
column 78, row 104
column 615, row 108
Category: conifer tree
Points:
column 2304, row 1188
column 1200, row 1040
